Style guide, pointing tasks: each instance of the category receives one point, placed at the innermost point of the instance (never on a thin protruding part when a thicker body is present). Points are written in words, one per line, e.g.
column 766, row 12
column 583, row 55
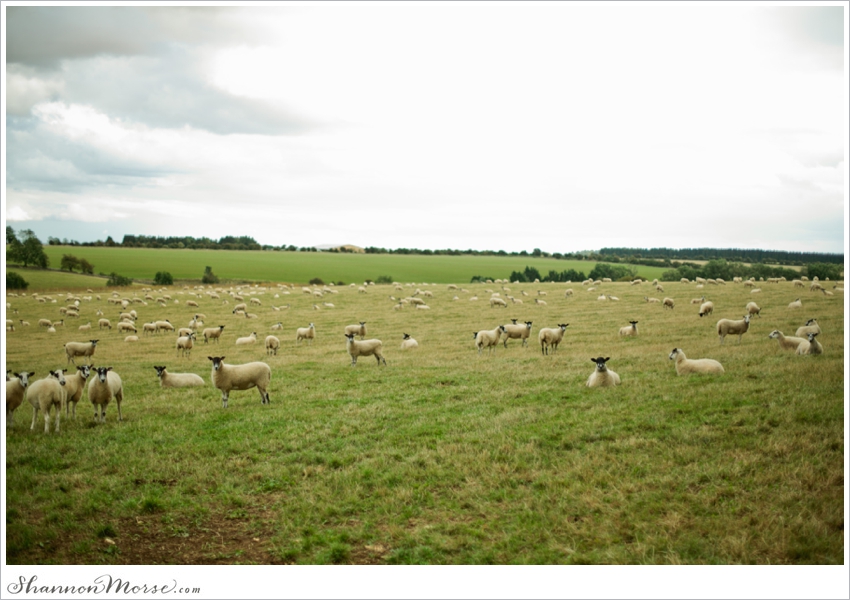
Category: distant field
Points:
column 48, row 280
column 301, row 267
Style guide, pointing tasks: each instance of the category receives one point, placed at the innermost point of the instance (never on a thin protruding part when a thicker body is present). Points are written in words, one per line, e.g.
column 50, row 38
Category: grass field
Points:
column 444, row 456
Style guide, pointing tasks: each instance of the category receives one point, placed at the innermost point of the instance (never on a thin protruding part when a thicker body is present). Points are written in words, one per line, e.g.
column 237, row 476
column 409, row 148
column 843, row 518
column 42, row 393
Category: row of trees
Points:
column 71, row 262
column 728, row 270
column 776, row 257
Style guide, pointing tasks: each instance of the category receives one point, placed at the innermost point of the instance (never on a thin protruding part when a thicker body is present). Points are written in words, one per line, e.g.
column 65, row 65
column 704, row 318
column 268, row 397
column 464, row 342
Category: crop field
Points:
column 301, row 267
column 445, row 455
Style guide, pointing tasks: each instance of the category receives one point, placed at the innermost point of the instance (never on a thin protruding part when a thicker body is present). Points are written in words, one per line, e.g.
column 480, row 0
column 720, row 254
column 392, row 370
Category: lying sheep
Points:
column 488, row 338
column 364, row 348
column 810, row 346
column 213, row 333
column 131, row 338
column 629, row 329
column 74, row 386
column 602, row 376
column 706, row 308
column 80, row 349
column 305, row 333
column 177, row 380
column 247, row 340
column 361, row 329
column 513, row 331
column 687, row 366
column 240, row 377
column 277, row 326
column 15, row 390
column 272, row 345
column 185, row 344
column 811, row 326
column 786, row 343
column 753, row 309
column 795, row 304
column 86, row 327
column 550, row 337
column 728, row 326
column 103, row 387
column 46, row 394
column 651, row 300
column 408, row 343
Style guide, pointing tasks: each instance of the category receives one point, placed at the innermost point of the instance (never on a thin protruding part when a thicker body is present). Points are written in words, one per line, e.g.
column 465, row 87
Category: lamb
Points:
column 104, row 323
column 83, row 349
column 786, row 343
column 272, row 344
column 358, row 329
column 213, row 333
column 305, row 333
column 74, row 386
column 668, row 303
column 795, row 304
column 728, row 326
column 517, row 332
column 248, row 339
column 551, row 337
column 185, row 344
column 630, row 329
column 408, row 343
column 364, row 348
column 103, row 387
column 753, row 309
column 240, row 377
column 602, row 376
column 15, row 390
column 488, row 338
column 687, row 366
column 811, row 346
column 811, row 326
column 706, row 308
column 86, row 327
column 46, row 394
column 177, row 380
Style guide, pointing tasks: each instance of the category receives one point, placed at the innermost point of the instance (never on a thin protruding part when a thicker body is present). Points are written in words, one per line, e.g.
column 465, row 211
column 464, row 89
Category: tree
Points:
column 27, row 250
column 70, row 262
column 163, row 278
column 118, row 280
column 209, row 276
column 86, row 266
column 14, row 281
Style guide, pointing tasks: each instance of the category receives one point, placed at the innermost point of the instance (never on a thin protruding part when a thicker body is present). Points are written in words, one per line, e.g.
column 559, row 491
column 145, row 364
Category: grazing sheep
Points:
column 149, row 328
column 786, row 343
column 184, row 331
column 706, row 308
column 240, row 308
column 191, row 303
column 45, row 323
column 185, row 344
column 668, row 303
column 810, row 346
column 272, row 344
column 126, row 326
column 364, row 348
column 84, row 349
column 305, row 333
column 164, row 326
column 728, row 326
column 248, row 339
column 214, row 333
column 15, row 390
column 74, row 386
column 795, row 304
column 602, row 376
column 551, row 337
column 488, row 339
column 46, row 394
column 494, row 302
column 755, row 291
column 103, row 387
column 687, row 366
column 629, row 329
column 240, row 377
column 811, row 326
column 408, row 343
column 513, row 331
column 104, row 323
column 753, row 309
column 361, row 329
column 177, row 380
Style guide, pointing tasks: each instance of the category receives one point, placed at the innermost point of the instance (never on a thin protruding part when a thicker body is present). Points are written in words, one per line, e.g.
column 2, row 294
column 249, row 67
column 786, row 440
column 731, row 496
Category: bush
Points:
column 14, row 281
column 824, row 271
column 384, row 279
column 118, row 280
column 317, row 281
column 209, row 276
column 163, row 278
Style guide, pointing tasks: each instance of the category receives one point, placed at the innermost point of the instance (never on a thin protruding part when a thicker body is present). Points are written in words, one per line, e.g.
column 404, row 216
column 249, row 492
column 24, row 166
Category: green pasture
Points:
column 445, row 455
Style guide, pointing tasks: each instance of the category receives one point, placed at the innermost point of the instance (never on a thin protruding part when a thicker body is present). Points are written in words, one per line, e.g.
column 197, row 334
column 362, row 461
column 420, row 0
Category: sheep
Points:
column 126, row 326
column 360, row 329
column 184, row 331
column 652, row 300
column 786, row 343
column 728, row 326
column 612, row 298
column 240, row 307
column 103, row 387
column 540, row 302
column 46, row 394
column 810, row 346
column 74, row 387
column 517, row 332
column 60, row 323
column 488, row 338
column 602, row 376
column 15, row 390
column 254, row 316
column 104, row 323
column 364, row 348
column 45, row 323
column 755, row 291
column 213, row 333
column 191, row 303
column 248, row 339
column 408, row 343
column 256, row 302
column 305, row 333
column 602, row 297
column 131, row 338
column 126, row 317
column 84, row 349
column 568, row 293
column 795, row 304
column 185, row 344
column 240, row 377
column 272, row 344
column 27, row 323
column 687, row 366
column 698, row 300
column 668, row 303
column 551, row 337
column 86, row 327
column 164, row 326
column 753, row 309
column 629, row 329
column 177, row 380
column 706, row 308
column 494, row 302
column 811, row 326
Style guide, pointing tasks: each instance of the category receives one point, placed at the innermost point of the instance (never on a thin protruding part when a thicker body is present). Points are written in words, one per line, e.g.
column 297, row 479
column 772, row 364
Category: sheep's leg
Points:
column 353, row 361
column 9, row 414
column 224, row 399
column 118, row 404
column 47, row 420
column 58, row 415
column 34, row 416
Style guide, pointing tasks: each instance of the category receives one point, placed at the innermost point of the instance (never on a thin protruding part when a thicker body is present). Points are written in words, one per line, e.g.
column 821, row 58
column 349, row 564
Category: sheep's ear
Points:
column 108, row 369
column 607, row 358
column 593, row 360
column 64, row 370
column 30, row 374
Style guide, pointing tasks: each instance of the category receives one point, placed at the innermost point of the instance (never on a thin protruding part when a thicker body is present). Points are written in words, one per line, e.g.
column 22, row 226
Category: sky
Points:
column 493, row 126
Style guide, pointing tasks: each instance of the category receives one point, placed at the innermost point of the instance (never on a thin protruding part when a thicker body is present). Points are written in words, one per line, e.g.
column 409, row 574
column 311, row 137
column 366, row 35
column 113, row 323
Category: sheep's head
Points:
column 773, row 334
column 812, row 337
column 563, row 327
column 674, row 354
column 217, row 361
column 59, row 374
column 600, row 363
column 101, row 373
column 24, row 378
column 85, row 371
column 159, row 371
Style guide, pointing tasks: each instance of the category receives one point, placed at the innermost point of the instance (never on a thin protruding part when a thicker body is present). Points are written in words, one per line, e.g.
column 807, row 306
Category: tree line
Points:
column 741, row 255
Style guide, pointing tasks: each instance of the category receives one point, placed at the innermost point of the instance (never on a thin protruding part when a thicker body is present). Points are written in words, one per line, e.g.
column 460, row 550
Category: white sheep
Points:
column 247, row 340
column 131, row 338
column 687, row 366
column 364, row 348
column 494, row 302
column 550, row 337
column 74, row 387
column 513, row 331
column 149, row 328
column 272, row 345
column 104, row 323
column 786, row 343
column 408, row 343
column 86, row 327
column 753, row 309
column 668, row 303
column 728, row 326
column 602, row 376
column 213, row 333
column 277, row 326
column 177, row 380
column 540, row 302
column 185, row 344
column 15, row 390
column 811, row 326
column 305, row 333
column 184, row 331
column 810, row 346
column 46, row 394
column 126, row 326
column 706, row 308
column 652, row 300
column 83, row 349
column 795, row 304
column 629, row 329
column 164, row 326
column 103, row 387
column 488, row 338
column 45, row 323
column 361, row 328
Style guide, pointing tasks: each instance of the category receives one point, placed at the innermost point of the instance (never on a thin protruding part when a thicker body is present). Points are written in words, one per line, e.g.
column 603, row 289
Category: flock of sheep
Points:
column 59, row 389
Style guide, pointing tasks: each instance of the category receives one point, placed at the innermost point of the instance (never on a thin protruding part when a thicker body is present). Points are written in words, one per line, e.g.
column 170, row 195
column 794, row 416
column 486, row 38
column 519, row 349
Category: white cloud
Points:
column 16, row 213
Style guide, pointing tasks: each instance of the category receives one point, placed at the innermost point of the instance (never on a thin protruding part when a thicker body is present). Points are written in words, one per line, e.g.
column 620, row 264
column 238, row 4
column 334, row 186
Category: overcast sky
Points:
column 560, row 126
